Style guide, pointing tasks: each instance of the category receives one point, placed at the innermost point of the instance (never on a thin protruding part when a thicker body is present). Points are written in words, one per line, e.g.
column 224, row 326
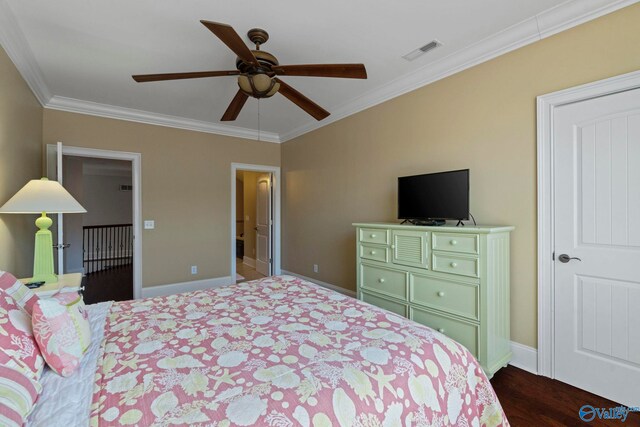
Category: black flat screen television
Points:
column 443, row 195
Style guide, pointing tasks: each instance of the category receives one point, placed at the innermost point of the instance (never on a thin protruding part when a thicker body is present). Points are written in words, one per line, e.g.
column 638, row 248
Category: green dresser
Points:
column 452, row 279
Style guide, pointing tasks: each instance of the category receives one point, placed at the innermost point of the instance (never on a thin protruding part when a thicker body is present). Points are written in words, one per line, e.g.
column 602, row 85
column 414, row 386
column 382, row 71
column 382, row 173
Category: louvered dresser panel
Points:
column 410, row 248
column 452, row 279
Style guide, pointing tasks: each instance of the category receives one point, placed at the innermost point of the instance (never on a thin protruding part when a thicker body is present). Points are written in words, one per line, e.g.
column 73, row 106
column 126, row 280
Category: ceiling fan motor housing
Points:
column 257, row 81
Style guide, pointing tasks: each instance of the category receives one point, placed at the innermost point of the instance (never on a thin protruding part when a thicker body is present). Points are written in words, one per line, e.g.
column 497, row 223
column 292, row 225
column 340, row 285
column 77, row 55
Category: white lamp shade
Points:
column 42, row 195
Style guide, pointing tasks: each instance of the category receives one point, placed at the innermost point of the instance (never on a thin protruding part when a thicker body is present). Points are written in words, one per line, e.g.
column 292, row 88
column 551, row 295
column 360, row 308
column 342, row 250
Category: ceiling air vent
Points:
column 422, row 50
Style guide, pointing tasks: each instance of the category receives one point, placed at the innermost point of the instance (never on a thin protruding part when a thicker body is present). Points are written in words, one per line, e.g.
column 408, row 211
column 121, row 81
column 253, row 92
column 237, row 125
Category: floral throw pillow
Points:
column 61, row 328
column 24, row 296
column 76, row 308
column 16, row 337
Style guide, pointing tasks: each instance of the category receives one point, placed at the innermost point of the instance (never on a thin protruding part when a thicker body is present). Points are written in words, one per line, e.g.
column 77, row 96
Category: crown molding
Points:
column 140, row 116
column 552, row 21
column 18, row 50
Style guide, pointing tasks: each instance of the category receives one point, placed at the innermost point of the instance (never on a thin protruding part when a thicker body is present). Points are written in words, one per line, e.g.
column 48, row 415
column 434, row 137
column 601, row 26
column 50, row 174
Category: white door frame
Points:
column 136, row 176
column 546, row 105
column 275, row 173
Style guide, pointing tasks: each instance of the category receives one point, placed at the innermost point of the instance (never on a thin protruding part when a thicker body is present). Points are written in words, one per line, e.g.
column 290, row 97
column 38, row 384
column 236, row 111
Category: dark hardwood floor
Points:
column 532, row 400
column 114, row 283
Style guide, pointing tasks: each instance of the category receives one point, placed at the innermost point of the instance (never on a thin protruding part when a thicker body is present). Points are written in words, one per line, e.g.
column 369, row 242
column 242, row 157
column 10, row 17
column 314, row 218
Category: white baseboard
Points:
column 323, row 284
column 524, row 357
column 249, row 261
column 195, row 285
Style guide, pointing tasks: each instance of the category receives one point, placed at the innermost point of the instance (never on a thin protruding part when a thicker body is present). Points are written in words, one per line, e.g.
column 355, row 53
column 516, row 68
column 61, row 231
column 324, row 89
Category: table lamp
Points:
column 40, row 196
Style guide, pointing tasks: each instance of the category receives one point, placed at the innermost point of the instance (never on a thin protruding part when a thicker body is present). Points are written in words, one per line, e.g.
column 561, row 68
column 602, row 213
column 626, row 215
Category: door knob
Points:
column 564, row 258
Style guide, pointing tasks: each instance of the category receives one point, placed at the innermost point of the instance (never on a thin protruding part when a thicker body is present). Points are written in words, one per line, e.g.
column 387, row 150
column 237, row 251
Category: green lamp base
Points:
column 43, row 254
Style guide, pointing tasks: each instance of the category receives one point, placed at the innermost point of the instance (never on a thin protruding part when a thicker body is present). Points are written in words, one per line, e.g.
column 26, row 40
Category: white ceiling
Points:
column 77, row 51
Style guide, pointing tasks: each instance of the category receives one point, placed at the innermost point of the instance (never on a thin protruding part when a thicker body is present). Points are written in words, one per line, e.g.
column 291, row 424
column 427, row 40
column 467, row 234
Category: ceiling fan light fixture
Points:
column 258, row 72
column 257, row 85
column 275, row 88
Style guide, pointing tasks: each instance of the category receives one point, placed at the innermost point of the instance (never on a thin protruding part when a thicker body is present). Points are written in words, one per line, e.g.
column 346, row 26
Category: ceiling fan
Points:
column 257, row 72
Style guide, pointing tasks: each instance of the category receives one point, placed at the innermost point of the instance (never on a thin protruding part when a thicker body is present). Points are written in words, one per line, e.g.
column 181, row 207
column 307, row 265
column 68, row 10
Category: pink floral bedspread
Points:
column 282, row 352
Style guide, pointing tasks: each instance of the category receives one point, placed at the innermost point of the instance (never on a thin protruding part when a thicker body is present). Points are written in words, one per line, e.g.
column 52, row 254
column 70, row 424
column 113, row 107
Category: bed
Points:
column 278, row 351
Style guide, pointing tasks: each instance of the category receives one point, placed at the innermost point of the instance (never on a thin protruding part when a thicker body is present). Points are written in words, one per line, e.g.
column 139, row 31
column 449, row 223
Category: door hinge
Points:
column 553, row 256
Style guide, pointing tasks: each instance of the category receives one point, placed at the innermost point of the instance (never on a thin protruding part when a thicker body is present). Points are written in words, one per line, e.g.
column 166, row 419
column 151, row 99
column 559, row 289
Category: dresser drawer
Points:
column 392, row 306
column 456, row 265
column 375, row 253
column 374, row 235
column 463, row 332
column 452, row 297
column 454, row 242
column 384, row 280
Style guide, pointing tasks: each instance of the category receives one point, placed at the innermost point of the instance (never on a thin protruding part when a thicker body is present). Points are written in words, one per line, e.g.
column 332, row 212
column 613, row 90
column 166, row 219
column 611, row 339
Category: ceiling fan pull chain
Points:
column 259, row 124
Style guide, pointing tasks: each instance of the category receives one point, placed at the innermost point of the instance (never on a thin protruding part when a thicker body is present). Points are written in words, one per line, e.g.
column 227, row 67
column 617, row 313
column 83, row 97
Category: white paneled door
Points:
column 263, row 225
column 597, row 245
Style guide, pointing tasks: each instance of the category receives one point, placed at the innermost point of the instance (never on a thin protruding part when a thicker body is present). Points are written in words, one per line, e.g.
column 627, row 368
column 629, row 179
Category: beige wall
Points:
column 20, row 161
column 483, row 118
column 186, row 184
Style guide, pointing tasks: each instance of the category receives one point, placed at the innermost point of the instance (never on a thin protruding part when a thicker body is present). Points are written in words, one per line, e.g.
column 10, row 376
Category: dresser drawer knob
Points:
column 441, row 330
column 373, row 236
column 454, row 242
column 453, row 264
column 373, row 252
column 440, row 294
column 381, row 280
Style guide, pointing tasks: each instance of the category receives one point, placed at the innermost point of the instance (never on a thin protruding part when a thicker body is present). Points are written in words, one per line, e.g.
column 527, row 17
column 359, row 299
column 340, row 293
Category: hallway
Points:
column 114, row 283
column 248, row 273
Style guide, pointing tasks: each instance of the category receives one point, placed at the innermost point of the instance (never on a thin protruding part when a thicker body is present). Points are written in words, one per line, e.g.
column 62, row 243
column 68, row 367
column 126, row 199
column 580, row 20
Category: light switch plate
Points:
column 149, row 224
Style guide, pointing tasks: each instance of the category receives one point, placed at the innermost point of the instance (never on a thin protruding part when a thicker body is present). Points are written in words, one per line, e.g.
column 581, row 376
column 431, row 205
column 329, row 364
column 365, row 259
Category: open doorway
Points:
column 100, row 241
column 104, row 244
column 255, row 245
column 253, row 225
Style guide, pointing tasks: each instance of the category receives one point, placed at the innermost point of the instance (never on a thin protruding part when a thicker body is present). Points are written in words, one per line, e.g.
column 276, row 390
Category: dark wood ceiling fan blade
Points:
column 346, row 71
column 234, row 108
column 316, row 111
column 141, row 78
column 228, row 35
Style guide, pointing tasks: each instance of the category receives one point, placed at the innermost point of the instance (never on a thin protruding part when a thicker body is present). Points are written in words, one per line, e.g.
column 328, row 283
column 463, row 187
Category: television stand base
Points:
column 428, row 222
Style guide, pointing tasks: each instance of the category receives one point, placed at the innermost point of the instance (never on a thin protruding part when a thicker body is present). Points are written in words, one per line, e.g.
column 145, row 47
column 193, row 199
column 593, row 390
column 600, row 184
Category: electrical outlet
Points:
column 315, row 268
column 194, row 269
